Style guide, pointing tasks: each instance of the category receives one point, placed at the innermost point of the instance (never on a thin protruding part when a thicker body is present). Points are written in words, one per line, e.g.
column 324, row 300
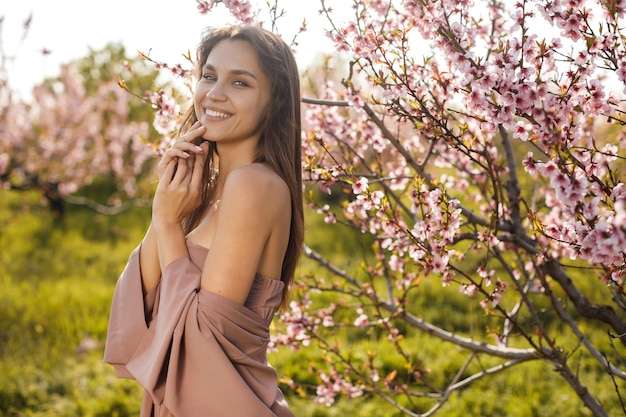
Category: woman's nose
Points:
column 216, row 91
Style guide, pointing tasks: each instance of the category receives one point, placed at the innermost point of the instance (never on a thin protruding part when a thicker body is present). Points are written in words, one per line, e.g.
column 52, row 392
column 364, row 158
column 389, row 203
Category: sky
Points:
column 165, row 28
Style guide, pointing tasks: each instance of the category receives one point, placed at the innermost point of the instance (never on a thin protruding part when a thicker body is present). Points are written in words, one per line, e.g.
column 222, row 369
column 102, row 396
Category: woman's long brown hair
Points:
column 280, row 143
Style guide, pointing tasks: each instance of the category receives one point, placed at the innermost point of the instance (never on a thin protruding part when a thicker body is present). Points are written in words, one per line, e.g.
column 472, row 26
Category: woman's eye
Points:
column 208, row 77
column 241, row 83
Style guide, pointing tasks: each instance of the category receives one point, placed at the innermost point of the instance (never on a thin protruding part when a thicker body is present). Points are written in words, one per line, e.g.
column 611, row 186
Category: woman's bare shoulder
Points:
column 257, row 182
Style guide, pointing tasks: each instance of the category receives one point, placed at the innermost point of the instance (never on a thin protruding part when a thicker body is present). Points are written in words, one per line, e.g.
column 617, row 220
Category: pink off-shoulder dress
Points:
column 196, row 353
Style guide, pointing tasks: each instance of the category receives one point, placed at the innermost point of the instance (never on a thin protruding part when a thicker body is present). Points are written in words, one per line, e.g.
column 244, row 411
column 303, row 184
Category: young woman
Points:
column 191, row 312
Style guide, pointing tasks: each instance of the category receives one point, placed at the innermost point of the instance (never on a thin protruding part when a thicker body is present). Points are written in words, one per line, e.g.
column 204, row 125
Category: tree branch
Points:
column 311, row 254
column 567, row 318
column 104, row 209
column 512, row 185
column 604, row 313
column 322, row 102
column 582, row 391
column 467, row 381
column 470, row 344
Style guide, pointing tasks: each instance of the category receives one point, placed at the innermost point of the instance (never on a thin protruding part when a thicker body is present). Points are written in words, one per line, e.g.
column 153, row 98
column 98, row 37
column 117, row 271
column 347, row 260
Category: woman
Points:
column 191, row 312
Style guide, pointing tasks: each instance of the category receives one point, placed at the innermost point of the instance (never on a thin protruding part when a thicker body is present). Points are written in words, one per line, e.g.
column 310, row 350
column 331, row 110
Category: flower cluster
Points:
column 299, row 323
column 166, row 115
column 240, row 9
column 334, row 385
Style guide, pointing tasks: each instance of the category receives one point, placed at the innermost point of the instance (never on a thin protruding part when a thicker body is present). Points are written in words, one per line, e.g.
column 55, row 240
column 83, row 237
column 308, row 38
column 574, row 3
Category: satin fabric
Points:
column 196, row 353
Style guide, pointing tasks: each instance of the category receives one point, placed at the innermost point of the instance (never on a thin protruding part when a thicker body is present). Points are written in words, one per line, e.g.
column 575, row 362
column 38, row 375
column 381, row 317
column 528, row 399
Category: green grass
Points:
column 57, row 279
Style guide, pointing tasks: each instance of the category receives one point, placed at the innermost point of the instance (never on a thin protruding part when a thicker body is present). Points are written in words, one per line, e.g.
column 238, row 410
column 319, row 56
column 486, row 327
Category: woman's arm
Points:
column 178, row 193
column 149, row 261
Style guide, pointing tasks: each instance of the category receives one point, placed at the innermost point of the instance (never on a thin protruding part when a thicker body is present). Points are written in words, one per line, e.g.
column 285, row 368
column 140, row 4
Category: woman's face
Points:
column 232, row 93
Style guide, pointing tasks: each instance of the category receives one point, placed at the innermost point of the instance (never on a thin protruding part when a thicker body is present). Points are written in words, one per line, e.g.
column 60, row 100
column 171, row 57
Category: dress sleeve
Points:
column 134, row 319
column 200, row 344
column 127, row 319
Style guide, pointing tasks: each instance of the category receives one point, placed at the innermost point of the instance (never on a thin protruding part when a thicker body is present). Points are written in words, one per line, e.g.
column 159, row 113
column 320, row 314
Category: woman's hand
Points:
column 180, row 179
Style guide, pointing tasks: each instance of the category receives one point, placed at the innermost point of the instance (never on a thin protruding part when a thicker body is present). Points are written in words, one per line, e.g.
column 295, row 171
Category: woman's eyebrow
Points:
column 210, row 67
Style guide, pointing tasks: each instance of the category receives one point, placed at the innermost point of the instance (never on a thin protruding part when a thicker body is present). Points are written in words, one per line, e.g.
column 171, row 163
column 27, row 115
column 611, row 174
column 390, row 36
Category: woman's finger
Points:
column 175, row 153
column 181, row 172
column 187, row 143
column 168, row 173
column 171, row 156
column 196, row 131
column 182, row 146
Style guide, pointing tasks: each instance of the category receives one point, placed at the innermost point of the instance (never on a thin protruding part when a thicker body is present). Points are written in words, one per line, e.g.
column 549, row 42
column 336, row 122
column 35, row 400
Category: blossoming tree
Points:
column 477, row 144
column 76, row 129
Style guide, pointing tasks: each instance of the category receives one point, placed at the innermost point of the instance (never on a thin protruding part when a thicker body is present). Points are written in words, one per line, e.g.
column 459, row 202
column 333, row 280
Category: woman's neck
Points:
column 231, row 158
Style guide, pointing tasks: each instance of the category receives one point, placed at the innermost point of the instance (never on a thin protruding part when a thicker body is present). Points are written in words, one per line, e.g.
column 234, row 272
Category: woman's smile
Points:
column 216, row 115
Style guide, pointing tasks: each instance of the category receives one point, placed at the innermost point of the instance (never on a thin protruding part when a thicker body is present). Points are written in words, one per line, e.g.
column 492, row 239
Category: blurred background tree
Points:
column 81, row 131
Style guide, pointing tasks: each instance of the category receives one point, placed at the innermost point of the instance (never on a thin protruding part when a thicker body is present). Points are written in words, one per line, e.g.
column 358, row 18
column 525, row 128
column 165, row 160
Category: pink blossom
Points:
column 571, row 27
column 416, row 253
column 205, row 6
column 549, row 169
column 496, row 295
column 440, row 263
column 396, row 263
column 362, row 321
column 447, row 278
column 356, row 100
column 530, row 165
column 360, row 186
column 476, row 99
column 469, row 289
column 522, row 131
column 487, row 276
column 328, row 321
